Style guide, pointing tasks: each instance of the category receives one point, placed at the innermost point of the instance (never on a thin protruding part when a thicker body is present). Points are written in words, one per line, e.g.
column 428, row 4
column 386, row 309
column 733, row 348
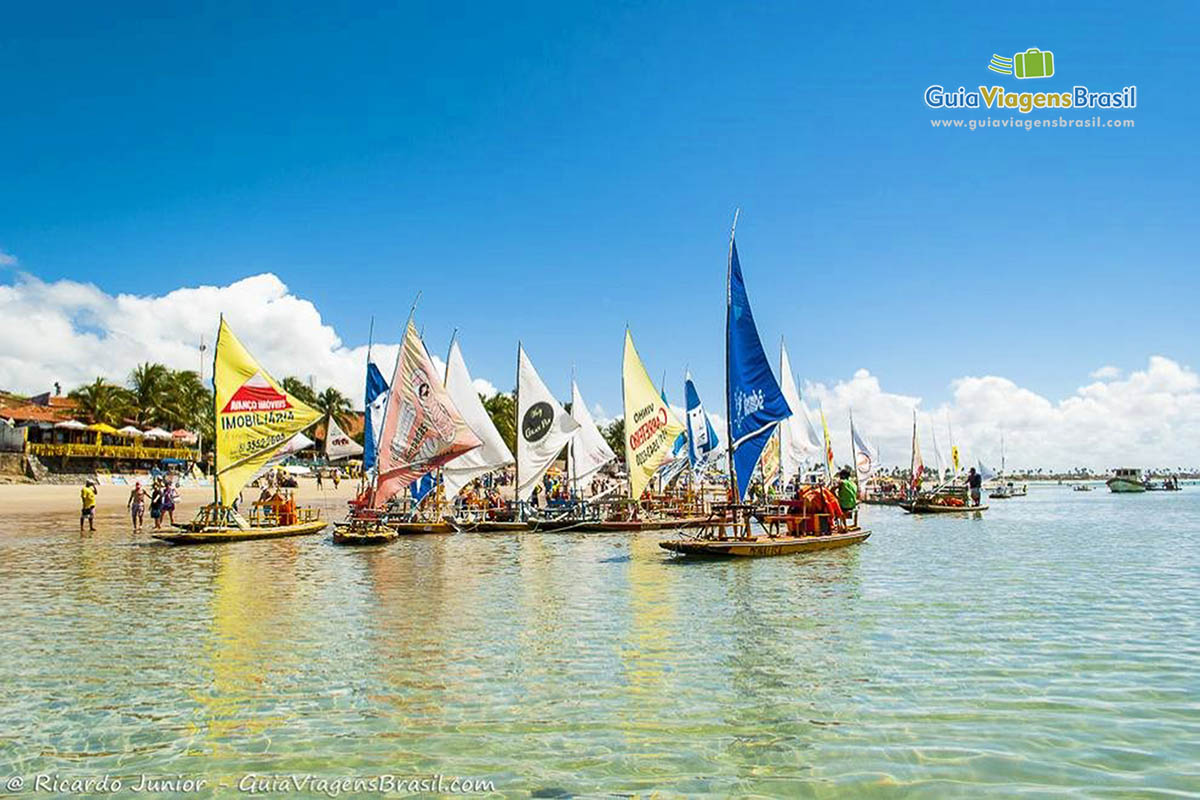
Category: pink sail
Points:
column 421, row 428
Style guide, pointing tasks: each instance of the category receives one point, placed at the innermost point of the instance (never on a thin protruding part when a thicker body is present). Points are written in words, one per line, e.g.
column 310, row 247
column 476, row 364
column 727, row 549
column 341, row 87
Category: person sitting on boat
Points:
column 975, row 484
column 847, row 491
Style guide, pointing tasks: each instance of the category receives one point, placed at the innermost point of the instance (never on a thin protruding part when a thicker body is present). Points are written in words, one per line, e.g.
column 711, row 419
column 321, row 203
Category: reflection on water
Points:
column 1050, row 643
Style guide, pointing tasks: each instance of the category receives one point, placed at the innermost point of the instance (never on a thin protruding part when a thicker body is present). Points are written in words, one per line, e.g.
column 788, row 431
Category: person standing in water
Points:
column 975, row 485
column 137, row 506
column 168, row 501
column 87, row 497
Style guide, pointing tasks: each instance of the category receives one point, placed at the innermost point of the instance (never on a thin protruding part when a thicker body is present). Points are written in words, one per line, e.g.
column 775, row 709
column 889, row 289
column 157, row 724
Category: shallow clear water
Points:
column 1051, row 647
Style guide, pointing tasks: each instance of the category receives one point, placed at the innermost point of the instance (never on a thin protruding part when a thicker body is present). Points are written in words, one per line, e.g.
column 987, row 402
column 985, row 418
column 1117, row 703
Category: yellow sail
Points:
column 254, row 416
column 829, row 464
column 769, row 462
column 650, row 427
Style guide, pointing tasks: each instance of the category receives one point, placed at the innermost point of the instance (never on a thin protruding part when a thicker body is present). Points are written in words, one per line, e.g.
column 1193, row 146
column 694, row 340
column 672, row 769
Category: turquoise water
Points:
column 1050, row 648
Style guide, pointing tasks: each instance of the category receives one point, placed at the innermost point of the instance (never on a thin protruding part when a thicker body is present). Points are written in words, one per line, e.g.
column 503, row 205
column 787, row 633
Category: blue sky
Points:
column 551, row 171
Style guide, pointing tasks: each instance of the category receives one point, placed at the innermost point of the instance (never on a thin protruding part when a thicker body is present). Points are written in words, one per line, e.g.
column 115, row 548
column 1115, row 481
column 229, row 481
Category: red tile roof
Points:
column 33, row 413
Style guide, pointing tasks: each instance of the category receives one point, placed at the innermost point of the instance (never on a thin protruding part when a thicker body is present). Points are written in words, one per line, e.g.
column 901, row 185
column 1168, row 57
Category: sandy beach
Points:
column 22, row 500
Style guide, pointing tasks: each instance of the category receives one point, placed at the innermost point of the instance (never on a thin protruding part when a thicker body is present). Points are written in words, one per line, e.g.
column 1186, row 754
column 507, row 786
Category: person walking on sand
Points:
column 975, row 484
column 319, row 485
column 87, row 497
column 337, row 478
column 137, row 506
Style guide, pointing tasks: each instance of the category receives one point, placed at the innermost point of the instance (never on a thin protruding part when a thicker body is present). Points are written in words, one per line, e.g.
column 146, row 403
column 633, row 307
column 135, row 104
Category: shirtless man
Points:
column 137, row 506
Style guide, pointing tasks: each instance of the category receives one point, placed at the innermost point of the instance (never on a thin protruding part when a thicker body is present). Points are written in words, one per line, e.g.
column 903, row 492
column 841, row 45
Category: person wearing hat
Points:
column 847, row 491
column 87, row 496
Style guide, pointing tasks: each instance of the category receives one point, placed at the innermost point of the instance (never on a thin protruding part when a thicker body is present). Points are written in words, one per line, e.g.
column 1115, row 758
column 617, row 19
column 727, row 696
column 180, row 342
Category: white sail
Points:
column 337, row 444
column 797, row 438
column 589, row 450
column 494, row 453
column 292, row 446
column 543, row 427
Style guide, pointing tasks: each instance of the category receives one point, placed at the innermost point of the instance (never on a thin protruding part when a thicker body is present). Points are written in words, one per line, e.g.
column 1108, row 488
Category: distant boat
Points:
column 1126, row 481
column 1082, row 487
column 1006, row 490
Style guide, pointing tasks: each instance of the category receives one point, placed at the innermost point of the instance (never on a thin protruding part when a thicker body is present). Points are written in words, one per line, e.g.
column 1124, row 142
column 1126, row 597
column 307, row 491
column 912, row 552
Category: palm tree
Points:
column 103, row 401
column 299, row 390
column 614, row 434
column 150, row 385
column 334, row 405
column 502, row 409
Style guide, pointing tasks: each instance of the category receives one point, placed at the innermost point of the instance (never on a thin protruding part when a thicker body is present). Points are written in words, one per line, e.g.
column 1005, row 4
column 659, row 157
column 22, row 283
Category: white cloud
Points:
column 1151, row 418
column 71, row 332
column 7, row 259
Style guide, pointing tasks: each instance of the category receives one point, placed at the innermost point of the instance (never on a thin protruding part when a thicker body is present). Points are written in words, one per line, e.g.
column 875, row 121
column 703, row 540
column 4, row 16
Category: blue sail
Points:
column 756, row 403
column 376, row 388
column 422, row 486
column 680, row 440
column 701, row 437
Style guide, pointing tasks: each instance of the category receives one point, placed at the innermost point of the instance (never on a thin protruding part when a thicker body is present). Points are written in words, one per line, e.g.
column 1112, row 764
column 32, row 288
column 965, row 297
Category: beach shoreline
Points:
column 18, row 499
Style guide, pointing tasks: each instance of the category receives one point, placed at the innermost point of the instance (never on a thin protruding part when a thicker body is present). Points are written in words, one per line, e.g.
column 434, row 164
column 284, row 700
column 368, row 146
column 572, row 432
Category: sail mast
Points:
column 517, row 515
column 728, row 380
column 216, row 450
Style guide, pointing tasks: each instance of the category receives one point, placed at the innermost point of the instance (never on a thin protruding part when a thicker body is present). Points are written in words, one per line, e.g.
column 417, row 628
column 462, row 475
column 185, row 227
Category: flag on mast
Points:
column 829, row 462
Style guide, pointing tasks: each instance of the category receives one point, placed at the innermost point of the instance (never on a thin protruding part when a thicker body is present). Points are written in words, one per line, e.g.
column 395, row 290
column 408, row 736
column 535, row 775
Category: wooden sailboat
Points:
column 936, row 501
column 420, row 430
column 254, row 420
column 755, row 405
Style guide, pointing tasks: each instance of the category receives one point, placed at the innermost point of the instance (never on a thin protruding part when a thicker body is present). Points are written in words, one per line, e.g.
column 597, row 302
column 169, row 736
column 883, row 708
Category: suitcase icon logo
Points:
column 1033, row 63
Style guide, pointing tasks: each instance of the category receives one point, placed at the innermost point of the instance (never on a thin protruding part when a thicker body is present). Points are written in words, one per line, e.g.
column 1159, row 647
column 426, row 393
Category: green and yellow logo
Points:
column 1033, row 63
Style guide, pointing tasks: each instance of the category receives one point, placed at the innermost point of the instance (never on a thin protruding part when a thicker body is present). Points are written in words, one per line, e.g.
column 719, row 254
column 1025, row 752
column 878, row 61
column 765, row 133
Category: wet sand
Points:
column 46, row 500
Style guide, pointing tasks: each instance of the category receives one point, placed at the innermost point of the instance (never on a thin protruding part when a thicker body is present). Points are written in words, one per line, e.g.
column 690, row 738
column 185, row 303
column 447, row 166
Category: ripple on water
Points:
column 1050, row 647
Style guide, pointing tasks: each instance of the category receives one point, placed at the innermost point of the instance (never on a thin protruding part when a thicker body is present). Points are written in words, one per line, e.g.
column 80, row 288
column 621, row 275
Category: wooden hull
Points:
column 762, row 546
column 870, row 501
column 925, row 508
column 215, row 535
column 349, row 536
column 408, row 528
column 490, row 526
column 643, row 525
